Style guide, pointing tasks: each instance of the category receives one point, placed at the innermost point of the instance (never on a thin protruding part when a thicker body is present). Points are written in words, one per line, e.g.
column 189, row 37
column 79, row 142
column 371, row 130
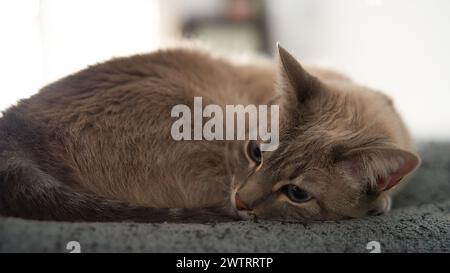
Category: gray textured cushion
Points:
column 419, row 222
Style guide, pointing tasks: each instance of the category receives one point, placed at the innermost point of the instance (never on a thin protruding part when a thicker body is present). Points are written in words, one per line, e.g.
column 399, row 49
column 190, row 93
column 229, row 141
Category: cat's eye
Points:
column 296, row 194
column 254, row 152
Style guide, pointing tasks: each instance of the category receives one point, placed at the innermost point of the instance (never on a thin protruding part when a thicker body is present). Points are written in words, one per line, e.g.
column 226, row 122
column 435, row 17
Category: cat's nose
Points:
column 240, row 205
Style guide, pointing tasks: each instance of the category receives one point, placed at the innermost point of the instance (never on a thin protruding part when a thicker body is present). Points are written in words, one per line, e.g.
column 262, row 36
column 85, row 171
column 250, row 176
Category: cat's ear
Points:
column 383, row 168
column 296, row 84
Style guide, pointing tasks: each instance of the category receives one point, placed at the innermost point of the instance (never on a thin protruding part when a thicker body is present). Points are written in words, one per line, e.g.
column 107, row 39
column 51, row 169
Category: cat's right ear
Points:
column 296, row 84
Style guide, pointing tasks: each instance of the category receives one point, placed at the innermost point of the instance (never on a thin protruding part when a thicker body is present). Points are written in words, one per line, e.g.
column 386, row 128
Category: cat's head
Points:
column 336, row 157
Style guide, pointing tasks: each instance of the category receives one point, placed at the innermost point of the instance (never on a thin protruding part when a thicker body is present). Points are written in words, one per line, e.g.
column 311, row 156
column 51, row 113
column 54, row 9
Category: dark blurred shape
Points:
column 241, row 25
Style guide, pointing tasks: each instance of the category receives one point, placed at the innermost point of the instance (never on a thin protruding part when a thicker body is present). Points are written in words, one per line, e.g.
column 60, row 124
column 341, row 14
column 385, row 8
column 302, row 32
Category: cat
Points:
column 97, row 145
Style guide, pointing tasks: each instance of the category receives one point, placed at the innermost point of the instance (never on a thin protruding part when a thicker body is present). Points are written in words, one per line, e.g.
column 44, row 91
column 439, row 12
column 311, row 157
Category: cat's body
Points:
column 97, row 145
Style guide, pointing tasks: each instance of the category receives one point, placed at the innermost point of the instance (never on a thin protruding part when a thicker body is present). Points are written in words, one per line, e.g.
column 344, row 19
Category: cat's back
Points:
column 178, row 74
column 175, row 68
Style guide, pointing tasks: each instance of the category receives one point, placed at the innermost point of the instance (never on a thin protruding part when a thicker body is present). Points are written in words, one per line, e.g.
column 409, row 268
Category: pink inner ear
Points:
column 395, row 177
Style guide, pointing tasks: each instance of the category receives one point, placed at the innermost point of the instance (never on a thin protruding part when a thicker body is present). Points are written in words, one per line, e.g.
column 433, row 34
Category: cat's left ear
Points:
column 296, row 84
column 401, row 163
column 383, row 168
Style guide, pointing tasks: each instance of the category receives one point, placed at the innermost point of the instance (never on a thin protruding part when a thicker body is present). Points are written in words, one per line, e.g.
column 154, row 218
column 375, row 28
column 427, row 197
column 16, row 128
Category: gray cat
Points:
column 97, row 145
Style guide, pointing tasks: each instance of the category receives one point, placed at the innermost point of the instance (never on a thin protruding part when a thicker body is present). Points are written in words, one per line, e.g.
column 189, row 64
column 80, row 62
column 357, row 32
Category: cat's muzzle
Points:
column 241, row 208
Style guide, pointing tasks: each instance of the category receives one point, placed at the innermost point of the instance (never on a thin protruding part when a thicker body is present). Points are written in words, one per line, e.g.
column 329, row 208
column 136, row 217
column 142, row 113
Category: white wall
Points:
column 20, row 50
column 399, row 46
column 42, row 41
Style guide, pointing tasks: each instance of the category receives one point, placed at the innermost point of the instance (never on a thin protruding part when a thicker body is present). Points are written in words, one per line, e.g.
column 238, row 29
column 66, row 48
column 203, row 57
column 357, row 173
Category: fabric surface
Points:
column 419, row 222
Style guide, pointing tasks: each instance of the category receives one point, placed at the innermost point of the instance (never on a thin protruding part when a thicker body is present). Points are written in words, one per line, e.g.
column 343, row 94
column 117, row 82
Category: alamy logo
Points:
column 73, row 247
column 374, row 247
column 231, row 125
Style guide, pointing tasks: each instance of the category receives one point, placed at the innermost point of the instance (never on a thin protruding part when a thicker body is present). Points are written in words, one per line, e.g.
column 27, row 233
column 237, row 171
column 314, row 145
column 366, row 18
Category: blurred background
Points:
column 399, row 46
